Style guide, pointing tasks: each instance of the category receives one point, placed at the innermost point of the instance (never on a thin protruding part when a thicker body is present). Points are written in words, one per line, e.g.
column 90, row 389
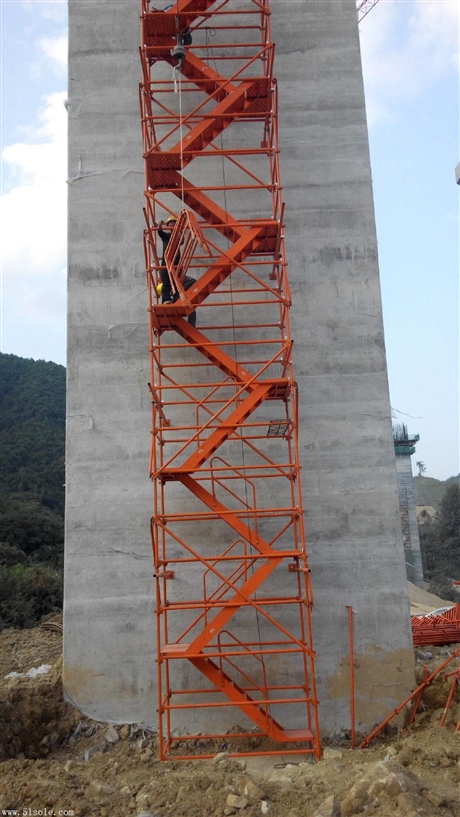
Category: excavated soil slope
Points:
column 53, row 760
column 423, row 602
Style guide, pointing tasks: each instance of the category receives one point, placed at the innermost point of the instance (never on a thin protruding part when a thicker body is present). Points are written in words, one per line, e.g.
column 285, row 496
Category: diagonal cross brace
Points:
column 214, row 353
column 251, row 584
column 219, row 118
column 252, row 708
column 223, row 266
column 221, row 434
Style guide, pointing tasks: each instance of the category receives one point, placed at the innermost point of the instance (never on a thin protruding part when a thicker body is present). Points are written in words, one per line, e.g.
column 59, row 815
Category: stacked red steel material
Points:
column 443, row 628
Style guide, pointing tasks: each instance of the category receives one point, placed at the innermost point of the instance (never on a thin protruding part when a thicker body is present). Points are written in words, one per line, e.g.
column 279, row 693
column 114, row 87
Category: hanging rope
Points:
column 177, row 78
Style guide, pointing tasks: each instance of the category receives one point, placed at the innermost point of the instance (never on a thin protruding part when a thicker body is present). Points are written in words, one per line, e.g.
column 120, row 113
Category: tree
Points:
column 421, row 467
column 440, row 539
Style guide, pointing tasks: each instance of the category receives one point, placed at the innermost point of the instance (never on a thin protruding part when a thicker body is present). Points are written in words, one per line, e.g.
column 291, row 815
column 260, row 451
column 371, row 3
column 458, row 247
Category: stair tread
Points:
column 172, row 649
column 288, row 735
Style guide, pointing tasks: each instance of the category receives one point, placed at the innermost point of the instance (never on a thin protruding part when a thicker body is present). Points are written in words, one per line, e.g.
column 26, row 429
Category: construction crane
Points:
column 363, row 7
column 232, row 584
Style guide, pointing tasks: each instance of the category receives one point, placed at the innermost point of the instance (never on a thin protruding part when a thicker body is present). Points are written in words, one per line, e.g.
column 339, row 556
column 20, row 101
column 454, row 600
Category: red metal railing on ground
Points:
column 443, row 628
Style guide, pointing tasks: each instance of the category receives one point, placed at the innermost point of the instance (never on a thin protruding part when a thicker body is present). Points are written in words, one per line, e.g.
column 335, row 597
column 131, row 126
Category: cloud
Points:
column 55, row 10
column 34, row 210
column 55, row 49
column 406, row 49
column 52, row 56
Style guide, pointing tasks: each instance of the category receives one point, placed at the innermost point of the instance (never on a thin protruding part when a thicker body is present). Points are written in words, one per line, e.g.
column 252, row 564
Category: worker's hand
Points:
column 160, row 223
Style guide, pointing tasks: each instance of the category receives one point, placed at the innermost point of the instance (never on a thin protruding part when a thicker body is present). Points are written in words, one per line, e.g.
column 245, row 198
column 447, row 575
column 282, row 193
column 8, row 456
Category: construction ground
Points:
column 55, row 762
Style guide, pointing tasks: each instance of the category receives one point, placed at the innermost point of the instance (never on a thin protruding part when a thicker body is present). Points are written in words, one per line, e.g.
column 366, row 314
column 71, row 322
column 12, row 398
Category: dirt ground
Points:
column 54, row 762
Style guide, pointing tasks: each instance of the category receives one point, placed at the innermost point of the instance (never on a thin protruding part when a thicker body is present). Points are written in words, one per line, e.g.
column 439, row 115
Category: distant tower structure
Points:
column 404, row 448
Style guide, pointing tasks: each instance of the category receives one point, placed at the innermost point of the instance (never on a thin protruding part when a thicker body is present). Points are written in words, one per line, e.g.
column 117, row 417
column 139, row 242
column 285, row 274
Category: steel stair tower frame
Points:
column 233, row 592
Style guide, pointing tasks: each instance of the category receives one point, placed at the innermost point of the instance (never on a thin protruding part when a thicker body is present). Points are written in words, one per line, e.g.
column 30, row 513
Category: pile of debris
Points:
column 56, row 760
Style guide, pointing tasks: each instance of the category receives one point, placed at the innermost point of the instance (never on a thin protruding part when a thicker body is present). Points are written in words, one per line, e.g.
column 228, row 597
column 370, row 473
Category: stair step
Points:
column 298, row 735
column 174, row 650
column 175, row 310
column 158, row 160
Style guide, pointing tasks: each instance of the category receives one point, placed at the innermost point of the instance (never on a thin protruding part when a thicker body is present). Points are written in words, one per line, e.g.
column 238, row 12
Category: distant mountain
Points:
column 429, row 491
column 32, row 440
column 32, row 430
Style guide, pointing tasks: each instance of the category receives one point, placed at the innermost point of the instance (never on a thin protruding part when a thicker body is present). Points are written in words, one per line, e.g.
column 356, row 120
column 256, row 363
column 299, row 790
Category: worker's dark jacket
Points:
column 167, row 293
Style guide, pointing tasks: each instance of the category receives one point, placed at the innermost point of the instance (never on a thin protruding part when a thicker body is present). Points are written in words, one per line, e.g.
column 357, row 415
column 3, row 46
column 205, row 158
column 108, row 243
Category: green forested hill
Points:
column 429, row 491
column 440, row 536
column 32, row 428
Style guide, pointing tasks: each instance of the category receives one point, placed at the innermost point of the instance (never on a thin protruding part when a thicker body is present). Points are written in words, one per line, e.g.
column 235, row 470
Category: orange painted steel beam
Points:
column 228, row 388
column 220, row 435
column 415, row 694
column 253, row 709
column 443, row 628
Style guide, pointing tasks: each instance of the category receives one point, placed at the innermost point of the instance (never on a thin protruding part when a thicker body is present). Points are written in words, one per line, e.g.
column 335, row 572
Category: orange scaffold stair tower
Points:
column 233, row 595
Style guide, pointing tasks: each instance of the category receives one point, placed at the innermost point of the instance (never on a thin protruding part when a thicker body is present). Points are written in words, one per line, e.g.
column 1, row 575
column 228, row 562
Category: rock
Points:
column 142, row 798
column 89, row 753
column 391, row 751
column 69, row 765
column 424, row 656
column 126, row 790
column 392, row 785
column 328, row 808
column 332, row 754
column 97, row 787
column 111, row 735
column 124, row 731
column 407, row 802
column 252, row 791
column 378, row 781
column 145, row 814
column 142, row 743
column 265, row 806
column 147, row 754
column 280, row 776
column 182, row 793
column 356, row 798
column 436, row 799
column 236, row 801
column 241, row 764
column 220, row 758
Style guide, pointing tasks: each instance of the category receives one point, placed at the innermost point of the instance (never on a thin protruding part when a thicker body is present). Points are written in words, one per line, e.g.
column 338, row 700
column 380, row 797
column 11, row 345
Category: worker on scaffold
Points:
column 167, row 294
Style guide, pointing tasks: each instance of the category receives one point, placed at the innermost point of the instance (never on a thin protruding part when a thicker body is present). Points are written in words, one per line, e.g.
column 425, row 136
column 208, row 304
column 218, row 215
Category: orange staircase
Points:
column 233, row 594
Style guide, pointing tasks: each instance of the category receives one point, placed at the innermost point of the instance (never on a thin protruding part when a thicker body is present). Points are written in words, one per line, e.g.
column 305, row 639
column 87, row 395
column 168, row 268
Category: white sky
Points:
column 410, row 63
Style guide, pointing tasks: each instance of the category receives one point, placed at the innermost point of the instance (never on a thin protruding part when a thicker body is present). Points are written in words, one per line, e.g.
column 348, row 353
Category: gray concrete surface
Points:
column 349, row 481
column 349, row 476
column 109, row 668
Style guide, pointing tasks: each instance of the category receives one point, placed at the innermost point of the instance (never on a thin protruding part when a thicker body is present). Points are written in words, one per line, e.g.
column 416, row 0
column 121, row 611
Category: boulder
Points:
column 236, row 801
column 97, row 788
column 111, row 735
column 379, row 781
column 329, row 808
column 331, row 753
